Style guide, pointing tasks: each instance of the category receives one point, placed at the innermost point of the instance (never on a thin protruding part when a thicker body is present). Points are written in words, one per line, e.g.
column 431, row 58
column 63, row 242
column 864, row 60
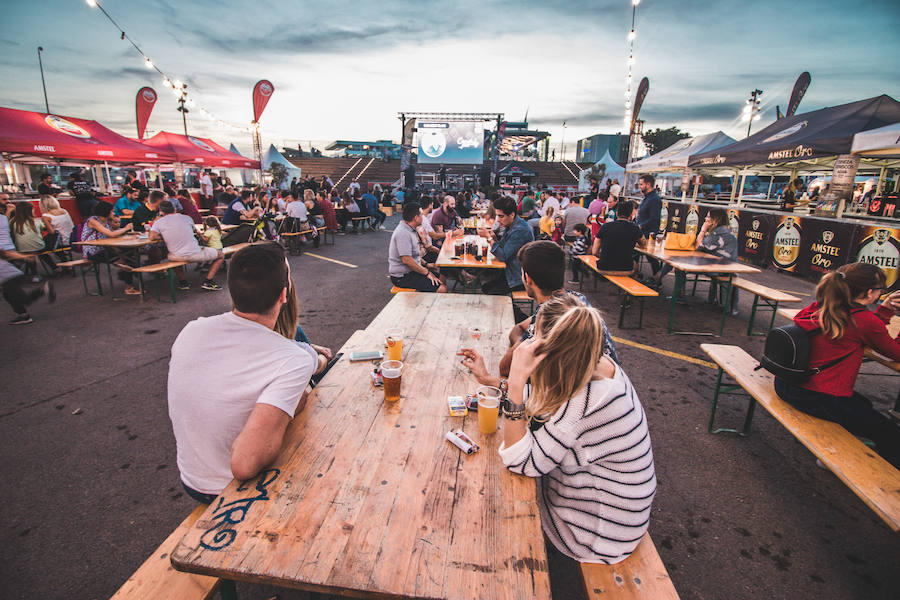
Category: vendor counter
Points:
column 804, row 244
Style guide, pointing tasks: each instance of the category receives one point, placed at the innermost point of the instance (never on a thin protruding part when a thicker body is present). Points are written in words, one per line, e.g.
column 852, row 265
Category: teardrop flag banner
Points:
column 262, row 91
column 143, row 106
column 800, row 88
column 643, row 88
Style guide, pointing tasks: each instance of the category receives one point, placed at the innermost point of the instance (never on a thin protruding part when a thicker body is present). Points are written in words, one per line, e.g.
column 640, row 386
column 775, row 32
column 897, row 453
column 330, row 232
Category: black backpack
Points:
column 786, row 354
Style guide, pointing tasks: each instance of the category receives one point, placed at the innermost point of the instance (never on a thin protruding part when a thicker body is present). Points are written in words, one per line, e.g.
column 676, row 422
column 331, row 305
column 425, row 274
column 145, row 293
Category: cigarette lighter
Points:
column 459, row 439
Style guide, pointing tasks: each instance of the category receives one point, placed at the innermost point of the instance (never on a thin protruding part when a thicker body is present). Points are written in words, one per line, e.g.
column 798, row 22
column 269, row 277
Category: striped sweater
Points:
column 595, row 465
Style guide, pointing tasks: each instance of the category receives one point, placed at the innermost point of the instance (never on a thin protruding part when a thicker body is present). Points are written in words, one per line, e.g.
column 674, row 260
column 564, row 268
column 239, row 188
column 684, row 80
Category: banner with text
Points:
column 451, row 142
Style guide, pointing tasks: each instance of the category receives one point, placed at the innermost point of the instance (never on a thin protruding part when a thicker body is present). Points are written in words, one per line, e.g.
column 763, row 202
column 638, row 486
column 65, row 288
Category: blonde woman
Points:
column 588, row 443
column 57, row 219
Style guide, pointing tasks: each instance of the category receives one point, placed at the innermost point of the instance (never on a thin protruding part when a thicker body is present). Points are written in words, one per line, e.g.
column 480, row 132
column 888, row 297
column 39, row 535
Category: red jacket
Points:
column 870, row 330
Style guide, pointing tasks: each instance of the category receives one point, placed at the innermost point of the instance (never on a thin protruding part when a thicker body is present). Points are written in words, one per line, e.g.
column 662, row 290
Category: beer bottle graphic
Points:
column 881, row 249
column 786, row 249
column 733, row 222
column 664, row 216
column 692, row 221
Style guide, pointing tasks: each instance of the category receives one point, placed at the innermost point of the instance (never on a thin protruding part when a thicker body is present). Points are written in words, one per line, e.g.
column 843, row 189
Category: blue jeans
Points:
column 198, row 496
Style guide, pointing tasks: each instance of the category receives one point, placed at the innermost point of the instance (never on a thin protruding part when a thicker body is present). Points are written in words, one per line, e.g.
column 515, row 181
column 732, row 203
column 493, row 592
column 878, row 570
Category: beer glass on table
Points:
column 391, row 375
column 394, row 340
column 488, row 408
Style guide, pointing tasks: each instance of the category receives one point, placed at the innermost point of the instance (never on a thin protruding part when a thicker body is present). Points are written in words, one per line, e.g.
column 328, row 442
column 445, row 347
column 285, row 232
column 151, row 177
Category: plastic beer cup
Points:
column 488, row 408
column 394, row 340
column 391, row 374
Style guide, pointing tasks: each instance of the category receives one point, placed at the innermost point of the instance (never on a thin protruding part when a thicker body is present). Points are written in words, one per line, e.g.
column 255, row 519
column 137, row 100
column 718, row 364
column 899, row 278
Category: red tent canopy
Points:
column 199, row 151
column 54, row 137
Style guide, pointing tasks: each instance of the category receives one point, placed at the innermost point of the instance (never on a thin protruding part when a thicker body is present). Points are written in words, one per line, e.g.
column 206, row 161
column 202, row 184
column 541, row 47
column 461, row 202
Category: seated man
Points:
column 177, row 231
column 505, row 247
column 126, row 205
column 234, row 384
column 614, row 244
column 148, row 210
column 404, row 260
column 373, row 211
column 543, row 272
column 238, row 210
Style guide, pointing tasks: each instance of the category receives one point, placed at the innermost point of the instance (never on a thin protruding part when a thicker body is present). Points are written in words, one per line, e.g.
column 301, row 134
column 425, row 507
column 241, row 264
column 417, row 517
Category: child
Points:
column 579, row 246
column 212, row 232
column 559, row 229
column 546, row 224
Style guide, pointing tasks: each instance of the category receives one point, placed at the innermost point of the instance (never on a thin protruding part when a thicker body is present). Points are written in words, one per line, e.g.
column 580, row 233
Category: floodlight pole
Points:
column 41, row 63
column 754, row 107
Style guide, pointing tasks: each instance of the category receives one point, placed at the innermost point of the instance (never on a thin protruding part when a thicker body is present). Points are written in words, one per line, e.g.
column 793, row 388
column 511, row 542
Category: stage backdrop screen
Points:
column 451, row 142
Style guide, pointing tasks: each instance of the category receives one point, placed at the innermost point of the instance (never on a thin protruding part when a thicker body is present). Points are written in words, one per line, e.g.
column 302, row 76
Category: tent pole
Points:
column 769, row 191
column 743, row 180
column 685, row 184
column 880, row 183
column 108, row 178
column 734, row 186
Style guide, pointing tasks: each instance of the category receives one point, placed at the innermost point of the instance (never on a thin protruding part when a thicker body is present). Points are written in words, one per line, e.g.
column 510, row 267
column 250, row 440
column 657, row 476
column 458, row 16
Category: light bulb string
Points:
column 168, row 81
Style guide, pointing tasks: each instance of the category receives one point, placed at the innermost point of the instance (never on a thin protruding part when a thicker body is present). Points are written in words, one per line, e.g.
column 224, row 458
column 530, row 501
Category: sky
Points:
column 343, row 69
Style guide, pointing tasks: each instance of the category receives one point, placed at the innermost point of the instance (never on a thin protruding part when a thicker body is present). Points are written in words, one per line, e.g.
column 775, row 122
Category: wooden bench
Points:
column 324, row 231
column 156, row 578
column 631, row 287
column 873, row 479
column 397, row 290
column 86, row 266
column 641, row 575
column 168, row 267
column 229, row 250
column 770, row 297
column 366, row 222
column 521, row 297
column 387, row 210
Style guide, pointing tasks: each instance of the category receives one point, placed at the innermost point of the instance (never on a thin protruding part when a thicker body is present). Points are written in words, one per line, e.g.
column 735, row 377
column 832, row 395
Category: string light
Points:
column 177, row 87
column 626, row 122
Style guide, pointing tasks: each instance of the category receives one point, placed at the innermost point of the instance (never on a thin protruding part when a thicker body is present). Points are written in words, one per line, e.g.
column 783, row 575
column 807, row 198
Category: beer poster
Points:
column 664, row 217
column 786, row 242
column 755, row 236
column 692, row 220
column 826, row 245
column 880, row 246
column 677, row 211
column 734, row 222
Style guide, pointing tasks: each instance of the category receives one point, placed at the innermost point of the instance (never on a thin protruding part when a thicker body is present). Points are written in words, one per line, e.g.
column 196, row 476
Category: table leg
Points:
column 227, row 591
column 726, row 305
column 680, row 279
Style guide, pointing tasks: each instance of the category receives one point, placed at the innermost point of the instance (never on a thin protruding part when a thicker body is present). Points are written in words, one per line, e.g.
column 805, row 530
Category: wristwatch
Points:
column 513, row 412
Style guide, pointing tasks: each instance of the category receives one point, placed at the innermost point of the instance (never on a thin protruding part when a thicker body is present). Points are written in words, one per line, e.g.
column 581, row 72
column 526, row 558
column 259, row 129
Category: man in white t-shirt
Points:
column 353, row 187
column 206, row 189
column 235, row 383
column 551, row 200
column 177, row 231
column 615, row 189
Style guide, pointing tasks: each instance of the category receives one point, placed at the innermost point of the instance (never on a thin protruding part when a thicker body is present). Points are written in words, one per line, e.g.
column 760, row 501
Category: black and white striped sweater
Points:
column 595, row 465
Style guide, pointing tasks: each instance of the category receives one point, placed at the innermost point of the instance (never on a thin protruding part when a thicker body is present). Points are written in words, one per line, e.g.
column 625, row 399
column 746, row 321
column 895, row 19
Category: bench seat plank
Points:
column 160, row 267
column 758, row 289
column 873, row 479
column 632, row 287
column 156, row 578
column 641, row 575
column 397, row 290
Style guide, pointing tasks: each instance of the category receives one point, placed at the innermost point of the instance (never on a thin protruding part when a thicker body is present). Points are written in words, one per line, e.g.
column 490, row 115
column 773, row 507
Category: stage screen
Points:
column 451, row 142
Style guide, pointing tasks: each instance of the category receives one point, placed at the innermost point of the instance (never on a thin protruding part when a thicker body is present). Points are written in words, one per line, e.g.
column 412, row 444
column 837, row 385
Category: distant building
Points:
column 378, row 149
column 592, row 149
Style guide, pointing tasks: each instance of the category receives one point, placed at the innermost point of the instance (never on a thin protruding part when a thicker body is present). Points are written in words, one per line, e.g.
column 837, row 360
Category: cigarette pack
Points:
column 457, row 406
column 459, row 439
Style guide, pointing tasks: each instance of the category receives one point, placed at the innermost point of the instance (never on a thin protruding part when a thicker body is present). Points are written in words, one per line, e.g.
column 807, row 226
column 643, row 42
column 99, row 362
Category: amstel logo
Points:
column 67, row 127
column 200, row 144
column 265, row 89
column 149, row 96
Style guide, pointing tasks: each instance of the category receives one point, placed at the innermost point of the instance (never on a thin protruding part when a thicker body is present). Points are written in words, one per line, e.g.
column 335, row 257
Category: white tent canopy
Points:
column 675, row 157
column 272, row 155
column 884, row 141
column 613, row 171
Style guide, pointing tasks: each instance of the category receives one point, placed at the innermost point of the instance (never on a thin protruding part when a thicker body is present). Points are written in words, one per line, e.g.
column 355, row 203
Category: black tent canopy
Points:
column 817, row 134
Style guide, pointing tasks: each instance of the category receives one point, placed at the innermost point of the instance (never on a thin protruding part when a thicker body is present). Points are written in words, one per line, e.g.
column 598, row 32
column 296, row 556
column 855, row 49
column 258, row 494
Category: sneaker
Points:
column 573, row 281
column 50, row 291
column 734, row 312
column 184, row 285
column 36, row 279
column 133, row 291
column 211, row 286
column 22, row 320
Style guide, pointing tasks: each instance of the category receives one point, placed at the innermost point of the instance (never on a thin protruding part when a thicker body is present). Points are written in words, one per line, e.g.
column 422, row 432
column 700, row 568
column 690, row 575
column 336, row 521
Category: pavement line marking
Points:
column 330, row 260
column 669, row 353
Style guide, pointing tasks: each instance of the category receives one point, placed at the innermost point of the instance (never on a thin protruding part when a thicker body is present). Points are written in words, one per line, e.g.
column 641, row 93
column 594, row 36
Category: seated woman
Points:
column 847, row 328
column 349, row 209
column 97, row 227
column 58, row 220
column 27, row 236
column 573, row 420
column 717, row 238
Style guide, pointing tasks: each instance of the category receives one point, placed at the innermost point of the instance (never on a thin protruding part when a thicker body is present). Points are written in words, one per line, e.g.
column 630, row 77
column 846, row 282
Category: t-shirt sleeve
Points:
column 406, row 245
column 539, row 452
column 290, row 380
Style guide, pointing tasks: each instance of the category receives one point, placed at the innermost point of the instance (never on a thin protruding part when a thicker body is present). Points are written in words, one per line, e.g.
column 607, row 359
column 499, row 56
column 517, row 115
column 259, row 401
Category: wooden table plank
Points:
column 467, row 260
column 370, row 499
column 681, row 260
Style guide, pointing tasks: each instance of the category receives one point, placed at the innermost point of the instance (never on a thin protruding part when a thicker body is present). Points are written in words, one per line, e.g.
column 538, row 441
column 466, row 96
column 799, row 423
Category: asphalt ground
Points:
column 90, row 487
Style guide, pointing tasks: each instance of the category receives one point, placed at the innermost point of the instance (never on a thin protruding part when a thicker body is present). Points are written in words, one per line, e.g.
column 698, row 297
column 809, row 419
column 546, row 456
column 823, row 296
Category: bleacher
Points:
column 342, row 171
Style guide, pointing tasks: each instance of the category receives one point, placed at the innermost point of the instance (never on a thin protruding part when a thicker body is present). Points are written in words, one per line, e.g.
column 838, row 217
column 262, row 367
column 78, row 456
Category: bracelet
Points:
column 514, row 415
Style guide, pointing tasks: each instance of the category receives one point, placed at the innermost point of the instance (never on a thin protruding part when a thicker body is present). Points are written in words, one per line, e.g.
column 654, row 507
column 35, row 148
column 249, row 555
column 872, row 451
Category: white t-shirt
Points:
column 206, row 187
column 550, row 201
column 177, row 232
column 64, row 225
column 614, row 190
column 297, row 210
column 221, row 367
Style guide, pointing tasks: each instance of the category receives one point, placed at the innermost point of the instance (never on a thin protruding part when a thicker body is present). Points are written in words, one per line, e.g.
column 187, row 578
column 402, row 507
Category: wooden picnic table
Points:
column 701, row 263
column 128, row 241
column 446, row 257
column 368, row 499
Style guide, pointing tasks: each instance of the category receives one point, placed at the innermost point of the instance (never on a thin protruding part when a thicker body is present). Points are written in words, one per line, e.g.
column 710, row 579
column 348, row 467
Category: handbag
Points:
column 680, row 241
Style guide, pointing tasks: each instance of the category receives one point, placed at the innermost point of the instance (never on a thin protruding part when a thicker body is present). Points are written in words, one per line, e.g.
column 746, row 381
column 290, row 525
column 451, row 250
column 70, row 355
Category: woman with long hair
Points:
column 588, row 441
column 99, row 226
column 27, row 233
column 841, row 327
column 57, row 220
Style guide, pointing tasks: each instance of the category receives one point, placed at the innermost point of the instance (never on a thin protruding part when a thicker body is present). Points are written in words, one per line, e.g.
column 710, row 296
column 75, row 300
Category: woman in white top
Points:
column 57, row 219
column 588, row 443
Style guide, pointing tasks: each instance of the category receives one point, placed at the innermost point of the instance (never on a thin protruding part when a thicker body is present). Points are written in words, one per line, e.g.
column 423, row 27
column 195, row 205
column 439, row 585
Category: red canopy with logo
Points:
column 24, row 132
column 199, row 151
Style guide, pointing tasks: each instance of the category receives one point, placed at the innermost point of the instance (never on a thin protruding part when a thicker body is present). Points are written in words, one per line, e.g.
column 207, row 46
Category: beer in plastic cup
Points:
column 394, row 339
column 488, row 407
column 391, row 375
